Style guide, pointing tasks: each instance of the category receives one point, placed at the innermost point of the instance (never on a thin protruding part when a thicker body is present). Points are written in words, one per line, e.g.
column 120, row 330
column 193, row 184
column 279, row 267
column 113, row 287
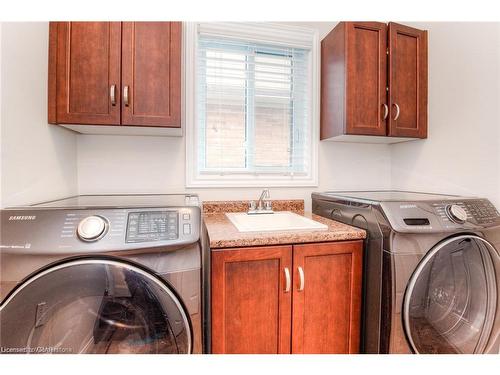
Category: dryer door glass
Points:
column 450, row 300
column 94, row 306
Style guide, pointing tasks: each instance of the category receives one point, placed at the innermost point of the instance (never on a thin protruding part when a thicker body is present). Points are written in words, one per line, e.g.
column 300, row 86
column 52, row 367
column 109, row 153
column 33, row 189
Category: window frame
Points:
column 196, row 178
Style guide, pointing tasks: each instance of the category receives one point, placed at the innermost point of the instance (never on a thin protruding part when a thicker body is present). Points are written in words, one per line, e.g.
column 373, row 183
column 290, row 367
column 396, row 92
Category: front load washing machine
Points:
column 432, row 269
column 104, row 274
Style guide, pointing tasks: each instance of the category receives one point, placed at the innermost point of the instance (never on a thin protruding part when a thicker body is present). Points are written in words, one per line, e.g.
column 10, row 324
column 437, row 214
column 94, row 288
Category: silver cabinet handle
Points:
column 112, row 94
column 125, row 96
column 301, row 278
column 386, row 111
column 397, row 111
column 288, row 280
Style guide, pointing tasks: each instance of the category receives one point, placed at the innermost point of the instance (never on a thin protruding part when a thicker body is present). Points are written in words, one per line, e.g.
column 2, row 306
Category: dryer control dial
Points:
column 92, row 228
column 456, row 213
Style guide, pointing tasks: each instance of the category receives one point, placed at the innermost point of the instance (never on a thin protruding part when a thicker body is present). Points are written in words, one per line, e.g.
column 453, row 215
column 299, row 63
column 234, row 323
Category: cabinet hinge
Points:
column 387, row 88
column 387, row 50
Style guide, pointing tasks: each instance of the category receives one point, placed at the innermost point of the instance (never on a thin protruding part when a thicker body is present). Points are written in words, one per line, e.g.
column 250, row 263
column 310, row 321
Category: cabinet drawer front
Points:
column 251, row 309
column 407, row 81
column 327, row 297
column 151, row 73
column 87, row 67
column 366, row 78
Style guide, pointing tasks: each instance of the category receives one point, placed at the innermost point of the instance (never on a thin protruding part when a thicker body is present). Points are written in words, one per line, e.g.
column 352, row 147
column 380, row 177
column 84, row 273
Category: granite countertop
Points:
column 223, row 234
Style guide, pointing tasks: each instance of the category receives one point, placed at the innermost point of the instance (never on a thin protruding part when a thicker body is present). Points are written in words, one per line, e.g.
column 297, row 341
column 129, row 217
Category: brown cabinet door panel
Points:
column 88, row 65
column 151, row 72
column 327, row 311
column 407, row 81
column 251, row 310
column 333, row 73
column 366, row 81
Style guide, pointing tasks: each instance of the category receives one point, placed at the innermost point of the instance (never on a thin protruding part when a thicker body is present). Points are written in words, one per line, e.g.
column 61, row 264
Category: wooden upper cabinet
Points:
column 368, row 71
column 327, row 298
column 366, row 63
column 84, row 69
column 115, row 73
column 251, row 306
column 407, row 81
column 353, row 80
column 151, row 65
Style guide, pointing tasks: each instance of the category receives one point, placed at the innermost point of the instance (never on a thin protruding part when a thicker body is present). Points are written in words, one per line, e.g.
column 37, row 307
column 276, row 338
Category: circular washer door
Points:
column 94, row 306
column 450, row 301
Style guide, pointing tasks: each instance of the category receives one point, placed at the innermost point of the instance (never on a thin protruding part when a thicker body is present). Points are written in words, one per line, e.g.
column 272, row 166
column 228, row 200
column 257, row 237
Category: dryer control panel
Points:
column 443, row 215
column 482, row 211
column 477, row 211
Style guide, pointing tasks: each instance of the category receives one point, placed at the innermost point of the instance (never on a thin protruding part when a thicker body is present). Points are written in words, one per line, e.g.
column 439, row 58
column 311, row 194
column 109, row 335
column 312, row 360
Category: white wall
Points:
column 114, row 164
column 462, row 152
column 118, row 164
column 41, row 161
column 38, row 160
column 1, row 174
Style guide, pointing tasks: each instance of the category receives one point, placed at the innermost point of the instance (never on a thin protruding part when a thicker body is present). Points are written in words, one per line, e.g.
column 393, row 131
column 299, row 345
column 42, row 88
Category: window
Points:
column 253, row 104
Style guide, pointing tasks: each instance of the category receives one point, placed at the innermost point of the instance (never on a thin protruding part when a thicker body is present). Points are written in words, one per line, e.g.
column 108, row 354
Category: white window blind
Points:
column 253, row 104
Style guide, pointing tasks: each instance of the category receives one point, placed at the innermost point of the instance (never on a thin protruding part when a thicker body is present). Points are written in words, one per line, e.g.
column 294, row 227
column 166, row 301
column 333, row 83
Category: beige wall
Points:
column 38, row 160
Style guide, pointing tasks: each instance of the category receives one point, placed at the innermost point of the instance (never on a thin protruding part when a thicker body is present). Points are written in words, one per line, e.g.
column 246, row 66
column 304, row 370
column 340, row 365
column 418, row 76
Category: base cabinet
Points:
column 287, row 299
column 251, row 304
column 327, row 298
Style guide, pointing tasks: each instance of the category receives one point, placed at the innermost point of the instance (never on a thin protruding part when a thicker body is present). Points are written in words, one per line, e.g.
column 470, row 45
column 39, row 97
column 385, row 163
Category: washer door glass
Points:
column 450, row 301
column 94, row 306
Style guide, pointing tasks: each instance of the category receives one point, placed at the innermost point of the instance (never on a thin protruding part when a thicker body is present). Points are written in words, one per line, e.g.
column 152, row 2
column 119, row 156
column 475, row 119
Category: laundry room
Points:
column 203, row 182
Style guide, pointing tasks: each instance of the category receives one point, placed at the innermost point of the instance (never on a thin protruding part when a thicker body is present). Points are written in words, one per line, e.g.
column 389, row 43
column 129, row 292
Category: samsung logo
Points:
column 22, row 218
column 408, row 206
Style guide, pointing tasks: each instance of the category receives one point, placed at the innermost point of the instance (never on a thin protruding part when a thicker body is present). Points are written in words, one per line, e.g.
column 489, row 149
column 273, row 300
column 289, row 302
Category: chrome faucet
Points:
column 263, row 205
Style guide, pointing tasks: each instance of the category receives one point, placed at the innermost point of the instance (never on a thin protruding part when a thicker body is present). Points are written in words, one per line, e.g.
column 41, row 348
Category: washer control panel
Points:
column 152, row 226
column 100, row 230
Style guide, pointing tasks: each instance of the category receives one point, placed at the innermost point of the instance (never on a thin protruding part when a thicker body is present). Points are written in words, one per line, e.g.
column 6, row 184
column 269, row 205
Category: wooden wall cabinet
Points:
column 287, row 299
column 374, row 83
column 115, row 74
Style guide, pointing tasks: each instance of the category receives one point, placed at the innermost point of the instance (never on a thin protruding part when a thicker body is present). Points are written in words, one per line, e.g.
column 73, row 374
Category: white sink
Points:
column 278, row 221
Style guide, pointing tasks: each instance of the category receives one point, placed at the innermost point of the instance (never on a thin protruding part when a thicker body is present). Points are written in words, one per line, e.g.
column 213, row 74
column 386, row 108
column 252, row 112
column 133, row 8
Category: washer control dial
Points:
column 456, row 213
column 92, row 228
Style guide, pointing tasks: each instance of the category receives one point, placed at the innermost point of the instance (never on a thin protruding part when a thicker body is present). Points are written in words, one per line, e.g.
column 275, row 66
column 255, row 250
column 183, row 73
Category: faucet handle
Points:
column 252, row 206
column 268, row 205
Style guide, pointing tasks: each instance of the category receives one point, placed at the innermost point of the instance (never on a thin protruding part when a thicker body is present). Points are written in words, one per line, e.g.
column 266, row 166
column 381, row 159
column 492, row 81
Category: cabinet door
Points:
column 85, row 64
column 151, row 74
column 407, row 81
column 251, row 307
column 327, row 297
column 366, row 69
